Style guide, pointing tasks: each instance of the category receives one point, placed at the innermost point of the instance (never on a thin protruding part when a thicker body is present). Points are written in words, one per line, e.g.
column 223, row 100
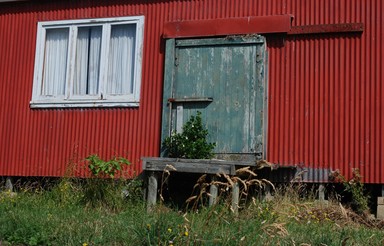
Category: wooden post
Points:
column 213, row 190
column 152, row 191
column 235, row 198
column 321, row 193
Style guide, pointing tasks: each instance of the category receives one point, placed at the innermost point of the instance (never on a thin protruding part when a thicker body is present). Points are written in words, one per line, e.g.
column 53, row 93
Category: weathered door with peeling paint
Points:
column 224, row 78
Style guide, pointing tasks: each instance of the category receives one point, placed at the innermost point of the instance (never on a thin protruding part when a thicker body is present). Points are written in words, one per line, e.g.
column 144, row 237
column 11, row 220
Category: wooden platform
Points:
column 154, row 166
column 211, row 166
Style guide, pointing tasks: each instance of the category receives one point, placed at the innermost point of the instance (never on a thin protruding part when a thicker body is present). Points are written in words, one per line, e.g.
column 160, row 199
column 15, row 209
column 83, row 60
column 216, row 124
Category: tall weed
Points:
column 355, row 187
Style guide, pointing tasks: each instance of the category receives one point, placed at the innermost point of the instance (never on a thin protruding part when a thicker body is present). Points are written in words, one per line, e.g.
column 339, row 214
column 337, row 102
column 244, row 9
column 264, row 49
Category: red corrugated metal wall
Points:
column 325, row 93
column 325, row 98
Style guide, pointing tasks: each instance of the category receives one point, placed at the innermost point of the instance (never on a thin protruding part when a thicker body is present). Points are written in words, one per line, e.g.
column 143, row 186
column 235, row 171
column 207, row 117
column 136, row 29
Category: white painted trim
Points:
column 5, row 1
column 95, row 21
column 139, row 57
column 71, row 61
column 69, row 100
column 38, row 61
column 93, row 104
column 104, row 63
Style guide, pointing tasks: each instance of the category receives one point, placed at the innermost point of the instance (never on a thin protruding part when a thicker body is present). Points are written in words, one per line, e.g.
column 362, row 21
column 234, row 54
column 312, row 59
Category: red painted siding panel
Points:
column 230, row 26
column 324, row 102
column 325, row 95
column 44, row 142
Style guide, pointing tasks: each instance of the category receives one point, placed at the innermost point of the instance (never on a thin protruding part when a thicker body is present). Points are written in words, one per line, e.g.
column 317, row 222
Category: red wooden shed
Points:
column 63, row 94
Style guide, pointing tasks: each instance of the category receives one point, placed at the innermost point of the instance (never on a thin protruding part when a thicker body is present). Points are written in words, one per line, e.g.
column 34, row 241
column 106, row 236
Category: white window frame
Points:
column 102, row 99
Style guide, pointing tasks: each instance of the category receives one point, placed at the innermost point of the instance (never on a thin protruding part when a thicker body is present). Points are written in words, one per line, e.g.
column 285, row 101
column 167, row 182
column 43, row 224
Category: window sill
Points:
column 82, row 104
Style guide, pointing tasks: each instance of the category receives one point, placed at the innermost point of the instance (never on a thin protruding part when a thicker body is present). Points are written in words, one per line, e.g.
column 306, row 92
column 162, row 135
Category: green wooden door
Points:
column 224, row 79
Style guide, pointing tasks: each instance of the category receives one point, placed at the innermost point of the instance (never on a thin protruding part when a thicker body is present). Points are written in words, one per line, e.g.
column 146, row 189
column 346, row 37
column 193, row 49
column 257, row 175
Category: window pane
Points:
column 55, row 62
column 121, row 60
column 87, row 63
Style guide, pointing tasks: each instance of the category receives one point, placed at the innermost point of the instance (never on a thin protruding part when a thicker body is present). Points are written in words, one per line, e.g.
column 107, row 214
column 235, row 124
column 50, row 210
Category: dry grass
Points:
column 288, row 204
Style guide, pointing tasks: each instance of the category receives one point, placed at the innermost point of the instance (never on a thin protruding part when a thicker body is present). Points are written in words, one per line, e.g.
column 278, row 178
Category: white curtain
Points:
column 55, row 62
column 121, row 60
column 87, row 63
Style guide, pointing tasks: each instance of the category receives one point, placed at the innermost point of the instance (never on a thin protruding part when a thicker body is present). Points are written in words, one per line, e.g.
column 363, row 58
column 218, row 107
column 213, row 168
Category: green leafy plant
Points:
column 101, row 169
column 355, row 187
column 191, row 143
column 103, row 189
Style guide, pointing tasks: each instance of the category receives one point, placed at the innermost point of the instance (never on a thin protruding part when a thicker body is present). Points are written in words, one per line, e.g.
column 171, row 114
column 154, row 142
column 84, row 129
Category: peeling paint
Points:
column 226, row 70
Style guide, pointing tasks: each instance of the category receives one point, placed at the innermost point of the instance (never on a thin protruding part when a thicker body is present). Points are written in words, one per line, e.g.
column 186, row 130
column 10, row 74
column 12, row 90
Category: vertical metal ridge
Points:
column 380, row 169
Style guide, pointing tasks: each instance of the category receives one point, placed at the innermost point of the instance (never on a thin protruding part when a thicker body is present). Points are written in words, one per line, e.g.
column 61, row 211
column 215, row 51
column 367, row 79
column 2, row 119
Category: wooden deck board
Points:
column 210, row 166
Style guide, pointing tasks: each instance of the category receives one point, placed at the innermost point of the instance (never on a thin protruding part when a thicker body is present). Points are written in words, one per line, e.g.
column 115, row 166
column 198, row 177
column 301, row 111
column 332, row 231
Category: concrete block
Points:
column 380, row 212
column 321, row 192
column 267, row 193
column 380, row 200
column 9, row 184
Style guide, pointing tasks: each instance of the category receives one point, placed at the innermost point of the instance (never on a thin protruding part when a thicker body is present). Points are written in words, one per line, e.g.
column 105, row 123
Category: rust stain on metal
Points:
column 327, row 28
column 230, row 26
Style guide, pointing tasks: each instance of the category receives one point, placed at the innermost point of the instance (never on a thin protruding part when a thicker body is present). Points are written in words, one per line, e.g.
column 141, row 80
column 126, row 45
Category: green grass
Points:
column 64, row 215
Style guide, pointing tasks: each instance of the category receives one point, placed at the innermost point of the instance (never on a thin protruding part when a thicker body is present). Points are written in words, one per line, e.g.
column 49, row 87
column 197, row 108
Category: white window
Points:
column 88, row 63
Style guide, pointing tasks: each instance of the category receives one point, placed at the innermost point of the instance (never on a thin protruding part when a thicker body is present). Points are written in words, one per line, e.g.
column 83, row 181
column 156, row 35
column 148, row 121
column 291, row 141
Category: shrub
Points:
column 101, row 169
column 102, row 189
column 355, row 187
column 192, row 142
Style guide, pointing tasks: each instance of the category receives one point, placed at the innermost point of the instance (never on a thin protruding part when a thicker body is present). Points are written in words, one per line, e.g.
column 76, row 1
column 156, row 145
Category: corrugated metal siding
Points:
column 325, row 98
column 44, row 142
column 325, row 92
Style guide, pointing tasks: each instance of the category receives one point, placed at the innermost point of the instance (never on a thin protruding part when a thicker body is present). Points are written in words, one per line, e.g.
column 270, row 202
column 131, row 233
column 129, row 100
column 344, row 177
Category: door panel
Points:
column 224, row 79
